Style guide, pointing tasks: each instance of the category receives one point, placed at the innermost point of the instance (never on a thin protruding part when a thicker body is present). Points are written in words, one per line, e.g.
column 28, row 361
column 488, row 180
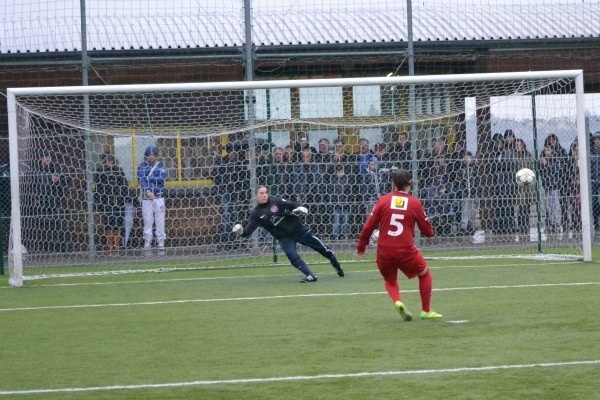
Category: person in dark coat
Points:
column 112, row 190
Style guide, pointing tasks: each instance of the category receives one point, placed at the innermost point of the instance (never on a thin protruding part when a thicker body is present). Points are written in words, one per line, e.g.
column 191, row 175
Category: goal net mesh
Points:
column 331, row 148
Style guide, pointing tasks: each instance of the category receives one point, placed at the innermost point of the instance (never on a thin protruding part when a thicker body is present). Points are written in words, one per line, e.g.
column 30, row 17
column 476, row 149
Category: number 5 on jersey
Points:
column 396, row 226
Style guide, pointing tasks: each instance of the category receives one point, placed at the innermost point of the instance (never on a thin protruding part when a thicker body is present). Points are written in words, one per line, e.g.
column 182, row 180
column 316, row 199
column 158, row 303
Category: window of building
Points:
column 322, row 102
column 432, row 100
column 366, row 101
column 272, row 104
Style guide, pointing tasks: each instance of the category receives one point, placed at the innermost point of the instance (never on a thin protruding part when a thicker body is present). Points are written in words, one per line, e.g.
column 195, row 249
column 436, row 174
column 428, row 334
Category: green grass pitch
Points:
column 512, row 329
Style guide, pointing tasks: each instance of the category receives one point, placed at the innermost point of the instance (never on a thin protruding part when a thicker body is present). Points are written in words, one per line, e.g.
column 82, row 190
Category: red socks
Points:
column 393, row 289
column 425, row 288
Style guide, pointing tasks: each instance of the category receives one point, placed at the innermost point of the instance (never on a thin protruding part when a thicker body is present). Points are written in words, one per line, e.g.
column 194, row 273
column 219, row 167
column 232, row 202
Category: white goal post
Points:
column 217, row 141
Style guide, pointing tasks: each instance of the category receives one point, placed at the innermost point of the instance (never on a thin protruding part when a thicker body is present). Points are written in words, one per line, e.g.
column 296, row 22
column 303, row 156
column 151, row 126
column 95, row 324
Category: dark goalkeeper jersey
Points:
column 276, row 217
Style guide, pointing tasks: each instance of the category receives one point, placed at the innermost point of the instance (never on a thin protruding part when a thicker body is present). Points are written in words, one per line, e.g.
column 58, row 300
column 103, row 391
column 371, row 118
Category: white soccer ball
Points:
column 525, row 177
column 375, row 236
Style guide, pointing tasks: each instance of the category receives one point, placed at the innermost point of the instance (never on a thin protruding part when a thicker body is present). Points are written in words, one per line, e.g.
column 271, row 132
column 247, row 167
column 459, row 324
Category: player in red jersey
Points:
column 395, row 215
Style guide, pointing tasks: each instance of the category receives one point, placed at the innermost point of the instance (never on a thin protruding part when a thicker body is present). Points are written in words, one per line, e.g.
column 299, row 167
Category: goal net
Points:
column 80, row 156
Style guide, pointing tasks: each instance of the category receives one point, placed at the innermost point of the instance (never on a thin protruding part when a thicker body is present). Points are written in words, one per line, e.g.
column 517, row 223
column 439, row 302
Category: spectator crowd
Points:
column 463, row 193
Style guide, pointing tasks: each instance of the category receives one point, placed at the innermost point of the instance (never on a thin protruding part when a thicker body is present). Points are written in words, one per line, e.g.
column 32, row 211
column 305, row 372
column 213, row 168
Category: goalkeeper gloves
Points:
column 300, row 210
column 237, row 228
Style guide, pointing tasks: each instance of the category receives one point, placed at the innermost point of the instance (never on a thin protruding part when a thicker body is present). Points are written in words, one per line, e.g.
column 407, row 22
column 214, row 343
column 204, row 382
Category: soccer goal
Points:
column 328, row 144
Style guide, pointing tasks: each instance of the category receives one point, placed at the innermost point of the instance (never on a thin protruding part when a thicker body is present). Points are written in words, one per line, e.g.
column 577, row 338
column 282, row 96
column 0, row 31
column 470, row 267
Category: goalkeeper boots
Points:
column 430, row 315
column 309, row 279
column 403, row 311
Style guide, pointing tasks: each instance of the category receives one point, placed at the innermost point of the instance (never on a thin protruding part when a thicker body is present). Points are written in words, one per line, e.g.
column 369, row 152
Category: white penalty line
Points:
column 288, row 296
column 299, row 378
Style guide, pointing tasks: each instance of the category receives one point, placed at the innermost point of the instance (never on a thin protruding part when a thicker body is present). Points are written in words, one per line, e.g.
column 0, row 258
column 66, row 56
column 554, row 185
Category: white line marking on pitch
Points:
column 300, row 378
column 290, row 296
column 548, row 264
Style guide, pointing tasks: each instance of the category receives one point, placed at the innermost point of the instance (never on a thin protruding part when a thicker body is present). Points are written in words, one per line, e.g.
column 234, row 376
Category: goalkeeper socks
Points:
column 335, row 263
column 425, row 288
column 302, row 267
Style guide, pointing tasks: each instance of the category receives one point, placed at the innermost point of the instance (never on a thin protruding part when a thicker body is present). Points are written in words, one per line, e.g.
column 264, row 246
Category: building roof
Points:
column 43, row 33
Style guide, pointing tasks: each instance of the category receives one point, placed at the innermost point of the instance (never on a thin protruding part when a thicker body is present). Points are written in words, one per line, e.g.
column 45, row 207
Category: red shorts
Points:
column 411, row 264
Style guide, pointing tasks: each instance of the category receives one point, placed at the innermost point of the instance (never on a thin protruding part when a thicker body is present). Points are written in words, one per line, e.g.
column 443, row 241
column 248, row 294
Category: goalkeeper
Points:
column 281, row 219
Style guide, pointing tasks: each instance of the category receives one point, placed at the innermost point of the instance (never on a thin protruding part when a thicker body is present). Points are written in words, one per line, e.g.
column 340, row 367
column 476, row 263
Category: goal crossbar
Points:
column 296, row 83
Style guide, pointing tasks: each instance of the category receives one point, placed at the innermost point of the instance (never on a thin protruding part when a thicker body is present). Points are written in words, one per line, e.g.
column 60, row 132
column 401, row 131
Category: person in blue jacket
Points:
column 151, row 174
